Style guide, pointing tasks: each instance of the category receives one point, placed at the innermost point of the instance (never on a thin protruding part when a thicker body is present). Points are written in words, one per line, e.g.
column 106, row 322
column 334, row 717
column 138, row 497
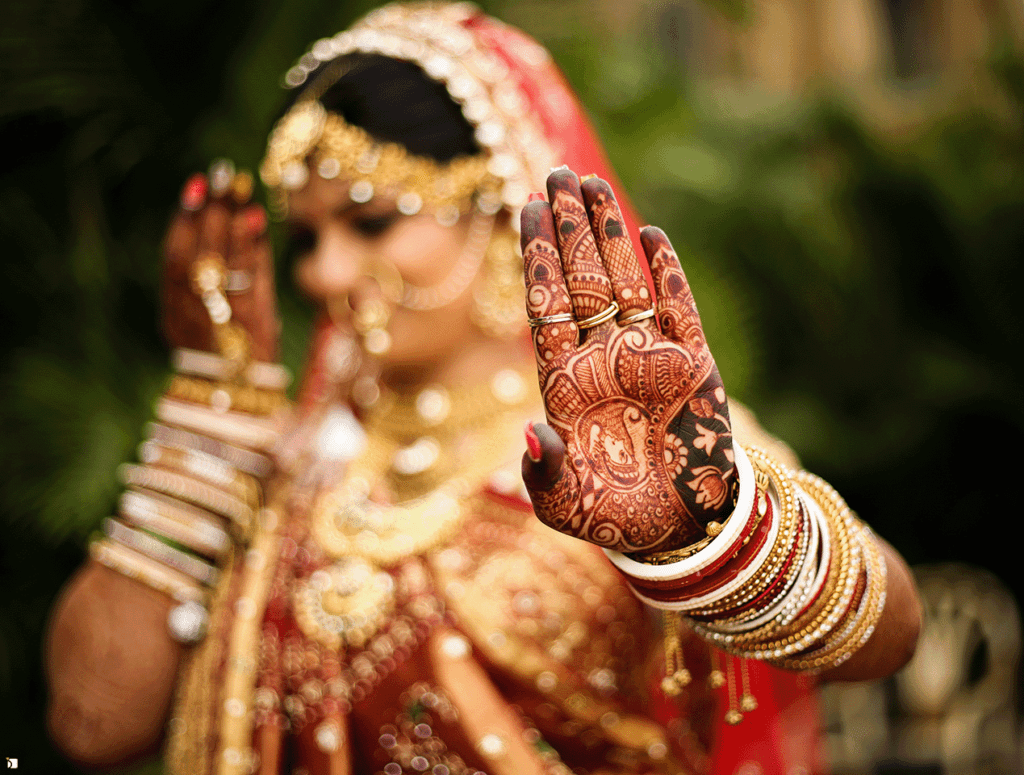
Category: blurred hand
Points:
column 220, row 219
column 640, row 456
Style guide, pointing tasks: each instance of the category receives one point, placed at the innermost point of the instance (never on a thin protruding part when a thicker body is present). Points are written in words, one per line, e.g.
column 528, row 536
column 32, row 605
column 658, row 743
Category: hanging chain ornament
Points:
column 208, row 277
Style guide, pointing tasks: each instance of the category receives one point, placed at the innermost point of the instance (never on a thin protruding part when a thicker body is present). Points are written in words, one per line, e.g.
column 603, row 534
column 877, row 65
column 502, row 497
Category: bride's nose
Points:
column 332, row 269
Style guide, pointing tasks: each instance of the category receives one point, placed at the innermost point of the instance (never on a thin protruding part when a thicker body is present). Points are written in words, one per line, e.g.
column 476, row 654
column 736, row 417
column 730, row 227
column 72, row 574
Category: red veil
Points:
column 781, row 735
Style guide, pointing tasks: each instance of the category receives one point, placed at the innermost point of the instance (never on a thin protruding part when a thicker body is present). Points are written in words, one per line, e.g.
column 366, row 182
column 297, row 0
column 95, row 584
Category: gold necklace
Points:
column 427, row 456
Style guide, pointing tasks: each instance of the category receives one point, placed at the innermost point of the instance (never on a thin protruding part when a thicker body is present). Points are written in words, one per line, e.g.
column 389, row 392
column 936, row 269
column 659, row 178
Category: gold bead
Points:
column 713, row 528
column 681, row 677
column 733, row 717
column 669, row 686
column 748, row 702
column 716, row 679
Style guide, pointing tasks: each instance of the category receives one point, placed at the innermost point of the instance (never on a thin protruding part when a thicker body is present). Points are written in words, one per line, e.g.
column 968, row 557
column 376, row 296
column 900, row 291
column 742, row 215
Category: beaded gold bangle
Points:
column 203, row 466
column 795, row 590
column 813, row 624
column 764, row 592
column 762, row 570
column 222, row 397
column 186, row 525
column 780, row 569
column 161, row 552
column 138, row 566
column 790, row 517
column 859, row 626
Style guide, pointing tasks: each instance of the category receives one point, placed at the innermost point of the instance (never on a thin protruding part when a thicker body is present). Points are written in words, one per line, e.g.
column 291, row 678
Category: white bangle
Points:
column 244, row 430
column 269, row 376
column 245, row 460
column 735, row 524
column 183, row 524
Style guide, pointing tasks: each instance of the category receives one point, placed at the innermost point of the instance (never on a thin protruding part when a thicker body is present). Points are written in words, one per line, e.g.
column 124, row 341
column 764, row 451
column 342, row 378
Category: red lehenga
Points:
column 502, row 646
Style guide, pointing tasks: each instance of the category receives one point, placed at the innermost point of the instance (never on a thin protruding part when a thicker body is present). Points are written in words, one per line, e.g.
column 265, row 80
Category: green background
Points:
column 861, row 290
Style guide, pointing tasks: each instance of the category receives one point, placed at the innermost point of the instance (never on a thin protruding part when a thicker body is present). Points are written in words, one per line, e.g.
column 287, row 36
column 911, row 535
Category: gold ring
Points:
column 561, row 317
column 636, row 317
column 599, row 318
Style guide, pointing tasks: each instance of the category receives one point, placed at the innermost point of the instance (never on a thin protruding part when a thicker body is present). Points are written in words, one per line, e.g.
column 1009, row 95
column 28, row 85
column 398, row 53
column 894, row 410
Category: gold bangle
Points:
column 141, row 568
column 860, row 626
column 761, row 583
column 224, row 396
column 822, row 617
column 181, row 523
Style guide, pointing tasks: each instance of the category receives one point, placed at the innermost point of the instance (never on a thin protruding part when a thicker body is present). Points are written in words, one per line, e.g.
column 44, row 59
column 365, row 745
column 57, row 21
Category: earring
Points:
column 499, row 306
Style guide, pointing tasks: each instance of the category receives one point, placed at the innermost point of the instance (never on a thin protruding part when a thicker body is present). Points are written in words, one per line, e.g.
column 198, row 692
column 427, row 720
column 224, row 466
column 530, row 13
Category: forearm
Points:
column 111, row 668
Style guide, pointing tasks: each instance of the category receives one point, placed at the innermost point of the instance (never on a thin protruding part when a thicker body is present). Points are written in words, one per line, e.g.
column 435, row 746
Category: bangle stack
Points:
column 794, row 579
column 198, row 489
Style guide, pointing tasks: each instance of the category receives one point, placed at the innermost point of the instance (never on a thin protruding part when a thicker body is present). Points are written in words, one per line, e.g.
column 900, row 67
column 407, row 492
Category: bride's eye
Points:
column 301, row 240
column 374, row 225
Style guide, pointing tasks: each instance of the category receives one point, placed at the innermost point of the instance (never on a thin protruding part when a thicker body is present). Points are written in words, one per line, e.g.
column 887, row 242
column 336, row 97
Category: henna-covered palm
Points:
column 641, row 456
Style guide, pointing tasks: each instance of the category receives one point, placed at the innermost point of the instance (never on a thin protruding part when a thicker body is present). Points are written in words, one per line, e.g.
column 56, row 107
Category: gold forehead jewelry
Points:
column 516, row 152
column 311, row 136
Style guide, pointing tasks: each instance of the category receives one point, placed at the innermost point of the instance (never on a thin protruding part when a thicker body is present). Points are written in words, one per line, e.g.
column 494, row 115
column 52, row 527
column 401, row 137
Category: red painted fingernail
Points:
column 193, row 195
column 536, row 197
column 532, row 443
column 256, row 219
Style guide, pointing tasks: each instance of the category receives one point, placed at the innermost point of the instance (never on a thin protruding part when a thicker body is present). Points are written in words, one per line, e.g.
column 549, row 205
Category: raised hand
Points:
column 641, row 456
column 218, row 218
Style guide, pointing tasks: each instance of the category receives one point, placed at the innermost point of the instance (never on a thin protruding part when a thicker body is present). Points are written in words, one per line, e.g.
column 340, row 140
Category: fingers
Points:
column 183, row 234
column 677, row 313
column 585, row 277
column 553, row 486
column 251, row 280
column 546, row 294
column 616, row 249
column 545, row 454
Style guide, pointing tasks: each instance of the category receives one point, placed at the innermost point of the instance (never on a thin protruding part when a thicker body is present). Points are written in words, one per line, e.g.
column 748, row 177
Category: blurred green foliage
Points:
column 860, row 290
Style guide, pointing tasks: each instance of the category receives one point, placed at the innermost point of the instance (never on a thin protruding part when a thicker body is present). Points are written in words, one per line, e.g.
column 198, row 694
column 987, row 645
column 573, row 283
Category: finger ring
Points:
column 221, row 173
column 561, row 317
column 636, row 317
column 599, row 318
column 238, row 281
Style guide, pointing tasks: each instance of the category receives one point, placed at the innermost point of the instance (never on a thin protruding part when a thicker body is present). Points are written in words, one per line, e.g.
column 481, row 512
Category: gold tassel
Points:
column 716, row 678
column 747, row 700
column 676, row 674
column 732, row 715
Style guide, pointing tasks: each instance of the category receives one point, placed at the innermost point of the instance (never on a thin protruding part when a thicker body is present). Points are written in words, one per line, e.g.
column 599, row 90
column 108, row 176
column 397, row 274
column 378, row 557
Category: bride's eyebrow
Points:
column 373, row 208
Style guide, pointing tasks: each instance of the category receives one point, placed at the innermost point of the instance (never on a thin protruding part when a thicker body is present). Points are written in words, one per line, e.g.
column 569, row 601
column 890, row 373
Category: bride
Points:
column 360, row 582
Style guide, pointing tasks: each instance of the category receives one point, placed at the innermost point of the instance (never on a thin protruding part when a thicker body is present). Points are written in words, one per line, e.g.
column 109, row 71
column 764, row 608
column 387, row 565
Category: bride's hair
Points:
column 395, row 101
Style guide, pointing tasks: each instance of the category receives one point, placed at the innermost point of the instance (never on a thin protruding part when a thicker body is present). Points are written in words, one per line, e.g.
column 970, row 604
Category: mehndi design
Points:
column 640, row 408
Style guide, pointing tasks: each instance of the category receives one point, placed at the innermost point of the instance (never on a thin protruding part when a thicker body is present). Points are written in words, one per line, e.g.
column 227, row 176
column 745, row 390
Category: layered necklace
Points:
column 406, row 493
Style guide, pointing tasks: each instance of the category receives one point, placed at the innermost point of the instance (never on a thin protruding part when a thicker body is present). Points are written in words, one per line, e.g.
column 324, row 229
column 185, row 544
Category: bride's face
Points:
column 342, row 245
